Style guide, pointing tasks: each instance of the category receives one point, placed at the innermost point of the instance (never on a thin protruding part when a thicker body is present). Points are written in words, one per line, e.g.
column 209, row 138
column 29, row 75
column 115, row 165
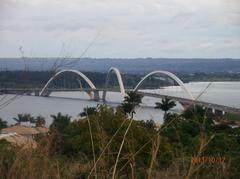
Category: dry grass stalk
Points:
column 203, row 143
column 107, row 145
column 154, row 152
column 120, row 149
column 92, row 143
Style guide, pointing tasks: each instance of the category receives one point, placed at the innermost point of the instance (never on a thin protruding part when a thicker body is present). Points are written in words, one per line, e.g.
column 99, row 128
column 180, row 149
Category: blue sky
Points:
column 121, row 28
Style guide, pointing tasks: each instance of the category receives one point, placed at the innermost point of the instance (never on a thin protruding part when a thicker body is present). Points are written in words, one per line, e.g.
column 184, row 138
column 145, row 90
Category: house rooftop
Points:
column 18, row 140
column 23, row 130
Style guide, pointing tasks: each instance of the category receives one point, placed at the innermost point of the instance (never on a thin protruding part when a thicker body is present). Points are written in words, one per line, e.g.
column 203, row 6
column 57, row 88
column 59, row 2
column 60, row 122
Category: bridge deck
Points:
column 194, row 102
column 155, row 95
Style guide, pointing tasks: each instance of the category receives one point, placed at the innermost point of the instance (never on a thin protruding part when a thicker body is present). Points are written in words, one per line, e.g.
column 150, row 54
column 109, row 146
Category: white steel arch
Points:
column 92, row 86
column 120, row 82
column 169, row 74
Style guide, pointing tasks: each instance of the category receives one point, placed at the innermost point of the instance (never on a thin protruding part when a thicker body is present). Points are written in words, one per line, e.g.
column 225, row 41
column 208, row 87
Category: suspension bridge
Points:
column 98, row 94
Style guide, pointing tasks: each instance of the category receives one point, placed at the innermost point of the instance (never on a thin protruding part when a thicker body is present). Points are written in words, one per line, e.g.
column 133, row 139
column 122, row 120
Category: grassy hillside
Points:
column 107, row 144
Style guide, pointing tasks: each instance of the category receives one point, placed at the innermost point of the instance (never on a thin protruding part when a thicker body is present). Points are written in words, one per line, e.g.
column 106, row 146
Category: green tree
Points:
column 60, row 122
column 24, row 118
column 40, row 121
column 131, row 100
column 165, row 105
column 149, row 124
column 3, row 124
column 88, row 111
column 200, row 116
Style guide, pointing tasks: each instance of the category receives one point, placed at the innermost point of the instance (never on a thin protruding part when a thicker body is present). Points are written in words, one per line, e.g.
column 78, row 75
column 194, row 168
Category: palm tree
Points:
column 60, row 122
column 40, row 121
column 131, row 100
column 128, row 108
column 24, row 118
column 32, row 120
column 19, row 118
column 133, row 97
column 3, row 124
column 88, row 111
column 165, row 105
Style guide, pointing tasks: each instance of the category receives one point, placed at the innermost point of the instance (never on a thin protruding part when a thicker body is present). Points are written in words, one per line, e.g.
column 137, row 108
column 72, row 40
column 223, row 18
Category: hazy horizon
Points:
column 124, row 58
column 139, row 65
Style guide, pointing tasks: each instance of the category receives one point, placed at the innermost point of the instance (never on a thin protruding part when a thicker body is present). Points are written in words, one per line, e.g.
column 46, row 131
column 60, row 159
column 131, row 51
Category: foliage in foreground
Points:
column 72, row 148
column 3, row 124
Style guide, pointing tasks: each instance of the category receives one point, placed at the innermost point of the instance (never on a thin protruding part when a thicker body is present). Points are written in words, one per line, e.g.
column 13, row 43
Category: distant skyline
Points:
column 120, row 29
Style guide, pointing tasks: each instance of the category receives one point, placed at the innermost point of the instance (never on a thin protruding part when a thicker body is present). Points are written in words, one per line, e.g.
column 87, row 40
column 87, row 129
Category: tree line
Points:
column 106, row 142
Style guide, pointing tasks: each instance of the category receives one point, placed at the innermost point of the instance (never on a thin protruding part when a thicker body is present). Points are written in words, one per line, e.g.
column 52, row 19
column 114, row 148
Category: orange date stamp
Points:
column 208, row 159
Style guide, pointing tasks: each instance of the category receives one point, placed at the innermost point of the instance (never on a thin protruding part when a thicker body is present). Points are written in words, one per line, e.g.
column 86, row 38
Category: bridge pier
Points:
column 96, row 96
column 213, row 110
column 46, row 94
column 36, row 92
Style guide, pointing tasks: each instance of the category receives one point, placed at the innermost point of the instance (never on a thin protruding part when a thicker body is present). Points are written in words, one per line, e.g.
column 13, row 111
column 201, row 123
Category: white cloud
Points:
column 129, row 28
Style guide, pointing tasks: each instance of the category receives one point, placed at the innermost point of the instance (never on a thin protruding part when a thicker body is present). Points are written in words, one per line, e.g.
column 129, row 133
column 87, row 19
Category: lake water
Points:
column 72, row 103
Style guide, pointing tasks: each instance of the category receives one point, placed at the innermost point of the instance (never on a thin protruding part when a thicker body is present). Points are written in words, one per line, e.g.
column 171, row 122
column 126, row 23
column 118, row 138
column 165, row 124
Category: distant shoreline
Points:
column 132, row 66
